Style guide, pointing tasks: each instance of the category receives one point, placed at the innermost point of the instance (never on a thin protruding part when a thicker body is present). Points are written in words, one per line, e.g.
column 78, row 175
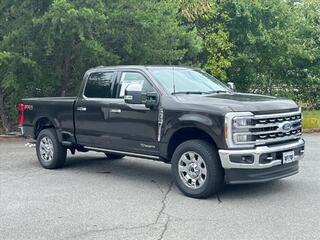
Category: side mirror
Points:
column 152, row 100
column 133, row 94
column 231, row 85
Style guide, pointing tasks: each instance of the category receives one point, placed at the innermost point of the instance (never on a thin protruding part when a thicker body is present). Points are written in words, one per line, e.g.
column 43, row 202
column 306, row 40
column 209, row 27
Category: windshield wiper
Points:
column 189, row 92
column 200, row 92
column 218, row 91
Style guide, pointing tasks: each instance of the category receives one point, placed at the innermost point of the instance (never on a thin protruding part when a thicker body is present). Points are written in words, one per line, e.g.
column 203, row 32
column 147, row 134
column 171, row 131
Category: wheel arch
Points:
column 186, row 133
column 42, row 122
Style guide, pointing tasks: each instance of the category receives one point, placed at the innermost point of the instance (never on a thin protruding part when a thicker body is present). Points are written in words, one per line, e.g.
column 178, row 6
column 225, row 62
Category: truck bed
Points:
column 50, row 99
column 59, row 110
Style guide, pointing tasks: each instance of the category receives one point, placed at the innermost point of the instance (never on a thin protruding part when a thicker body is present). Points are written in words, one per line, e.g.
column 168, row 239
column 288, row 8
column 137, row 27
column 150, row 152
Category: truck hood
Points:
column 241, row 102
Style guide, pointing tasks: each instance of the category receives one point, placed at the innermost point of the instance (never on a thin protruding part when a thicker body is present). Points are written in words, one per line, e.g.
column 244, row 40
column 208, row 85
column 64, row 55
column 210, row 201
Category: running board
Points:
column 67, row 143
column 33, row 144
column 121, row 152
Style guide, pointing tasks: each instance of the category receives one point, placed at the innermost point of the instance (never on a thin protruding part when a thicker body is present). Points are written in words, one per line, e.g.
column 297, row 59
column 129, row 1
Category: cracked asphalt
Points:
column 131, row 198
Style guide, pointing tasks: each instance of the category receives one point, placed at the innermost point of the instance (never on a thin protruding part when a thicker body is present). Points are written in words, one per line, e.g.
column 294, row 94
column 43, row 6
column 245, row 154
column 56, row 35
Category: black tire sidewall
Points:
column 212, row 161
column 59, row 152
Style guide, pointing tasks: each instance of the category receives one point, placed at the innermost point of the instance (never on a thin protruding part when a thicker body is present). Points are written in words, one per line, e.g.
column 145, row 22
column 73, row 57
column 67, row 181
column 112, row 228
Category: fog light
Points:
column 267, row 158
column 247, row 159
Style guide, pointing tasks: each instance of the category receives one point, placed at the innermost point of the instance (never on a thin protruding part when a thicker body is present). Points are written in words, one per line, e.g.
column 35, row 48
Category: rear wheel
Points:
column 51, row 153
column 113, row 156
column 196, row 169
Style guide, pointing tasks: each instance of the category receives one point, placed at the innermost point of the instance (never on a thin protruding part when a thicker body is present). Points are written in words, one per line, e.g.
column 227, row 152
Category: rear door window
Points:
column 99, row 85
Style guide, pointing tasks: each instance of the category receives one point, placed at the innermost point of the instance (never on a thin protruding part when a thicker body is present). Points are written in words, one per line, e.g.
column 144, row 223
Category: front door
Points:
column 134, row 128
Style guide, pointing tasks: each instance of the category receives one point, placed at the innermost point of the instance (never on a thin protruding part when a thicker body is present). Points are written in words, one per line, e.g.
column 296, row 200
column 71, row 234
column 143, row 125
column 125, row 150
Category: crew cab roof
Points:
column 140, row 67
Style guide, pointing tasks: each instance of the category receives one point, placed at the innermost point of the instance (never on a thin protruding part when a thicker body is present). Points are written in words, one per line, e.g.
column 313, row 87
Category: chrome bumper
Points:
column 21, row 130
column 257, row 152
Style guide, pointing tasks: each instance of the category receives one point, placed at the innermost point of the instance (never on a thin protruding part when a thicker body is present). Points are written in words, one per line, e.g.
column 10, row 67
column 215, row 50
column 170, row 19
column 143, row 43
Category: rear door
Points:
column 92, row 110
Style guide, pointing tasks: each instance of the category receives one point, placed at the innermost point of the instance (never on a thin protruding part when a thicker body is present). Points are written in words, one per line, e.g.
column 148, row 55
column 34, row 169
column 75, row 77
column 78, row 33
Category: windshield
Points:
column 187, row 81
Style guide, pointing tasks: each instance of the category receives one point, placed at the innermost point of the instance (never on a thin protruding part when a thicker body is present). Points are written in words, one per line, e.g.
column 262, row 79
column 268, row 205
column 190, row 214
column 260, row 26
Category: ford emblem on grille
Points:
column 286, row 126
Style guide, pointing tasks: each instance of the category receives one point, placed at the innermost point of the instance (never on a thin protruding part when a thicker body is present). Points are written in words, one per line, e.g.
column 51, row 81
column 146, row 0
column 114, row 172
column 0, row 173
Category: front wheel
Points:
column 51, row 153
column 197, row 169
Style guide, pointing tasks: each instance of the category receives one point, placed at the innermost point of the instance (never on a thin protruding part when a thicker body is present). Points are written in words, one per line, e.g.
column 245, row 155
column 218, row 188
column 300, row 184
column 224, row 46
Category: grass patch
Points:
column 311, row 119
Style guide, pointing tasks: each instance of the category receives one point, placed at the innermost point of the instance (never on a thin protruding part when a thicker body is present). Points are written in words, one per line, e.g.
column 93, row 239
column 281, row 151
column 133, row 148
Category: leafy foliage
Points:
column 148, row 32
column 268, row 47
column 15, row 71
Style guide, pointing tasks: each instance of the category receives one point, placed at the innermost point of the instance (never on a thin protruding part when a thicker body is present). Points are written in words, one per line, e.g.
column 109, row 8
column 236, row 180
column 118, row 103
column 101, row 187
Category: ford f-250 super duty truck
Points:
column 209, row 133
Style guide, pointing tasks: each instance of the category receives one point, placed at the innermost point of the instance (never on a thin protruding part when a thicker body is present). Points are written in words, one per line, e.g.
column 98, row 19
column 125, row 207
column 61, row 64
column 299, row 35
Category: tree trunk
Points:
column 270, row 85
column 3, row 115
column 66, row 73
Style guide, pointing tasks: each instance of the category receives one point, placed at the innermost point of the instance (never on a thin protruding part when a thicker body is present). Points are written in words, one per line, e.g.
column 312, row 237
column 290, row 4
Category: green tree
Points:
column 63, row 38
column 305, row 51
column 148, row 32
column 15, row 72
column 208, row 18
column 264, row 46
column 260, row 33
column 193, row 9
column 68, row 33
column 19, row 74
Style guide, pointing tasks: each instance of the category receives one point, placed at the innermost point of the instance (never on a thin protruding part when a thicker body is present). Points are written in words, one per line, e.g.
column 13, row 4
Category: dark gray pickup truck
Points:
column 209, row 133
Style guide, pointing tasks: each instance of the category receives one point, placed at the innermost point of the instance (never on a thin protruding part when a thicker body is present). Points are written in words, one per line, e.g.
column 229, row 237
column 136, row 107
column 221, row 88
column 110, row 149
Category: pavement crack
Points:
column 120, row 228
column 161, row 212
column 163, row 201
column 165, row 227
column 158, row 185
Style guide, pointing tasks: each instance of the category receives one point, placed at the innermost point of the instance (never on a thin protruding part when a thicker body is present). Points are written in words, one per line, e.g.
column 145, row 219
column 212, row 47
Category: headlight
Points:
column 237, row 129
column 241, row 121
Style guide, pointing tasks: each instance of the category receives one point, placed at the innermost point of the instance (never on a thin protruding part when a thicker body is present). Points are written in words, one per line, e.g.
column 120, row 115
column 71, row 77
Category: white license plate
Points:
column 288, row 157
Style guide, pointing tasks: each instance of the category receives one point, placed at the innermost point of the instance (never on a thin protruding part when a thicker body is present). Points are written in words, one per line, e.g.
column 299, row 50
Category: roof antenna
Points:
column 173, row 81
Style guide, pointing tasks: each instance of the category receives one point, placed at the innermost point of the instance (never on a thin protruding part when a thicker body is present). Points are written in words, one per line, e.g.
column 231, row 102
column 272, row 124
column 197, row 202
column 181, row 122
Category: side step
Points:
column 67, row 143
column 33, row 144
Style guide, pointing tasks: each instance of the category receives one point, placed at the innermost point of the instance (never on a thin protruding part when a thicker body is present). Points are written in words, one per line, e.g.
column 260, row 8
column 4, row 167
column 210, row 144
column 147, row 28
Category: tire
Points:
column 113, row 156
column 207, row 175
column 47, row 140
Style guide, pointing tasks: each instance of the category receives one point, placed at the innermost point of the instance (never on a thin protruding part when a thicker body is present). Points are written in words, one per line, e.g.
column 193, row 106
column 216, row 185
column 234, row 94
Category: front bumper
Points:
column 241, row 176
column 266, row 165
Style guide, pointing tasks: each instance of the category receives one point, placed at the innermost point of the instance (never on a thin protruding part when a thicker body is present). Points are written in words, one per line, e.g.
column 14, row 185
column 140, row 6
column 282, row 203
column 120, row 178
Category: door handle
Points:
column 115, row 110
column 81, row 109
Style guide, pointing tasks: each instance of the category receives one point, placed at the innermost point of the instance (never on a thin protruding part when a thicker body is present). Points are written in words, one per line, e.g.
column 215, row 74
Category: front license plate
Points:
column 288, row 157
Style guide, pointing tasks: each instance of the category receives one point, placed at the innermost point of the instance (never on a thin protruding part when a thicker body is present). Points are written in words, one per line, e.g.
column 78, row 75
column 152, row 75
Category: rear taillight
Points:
column 21, row 108
column 21, row 118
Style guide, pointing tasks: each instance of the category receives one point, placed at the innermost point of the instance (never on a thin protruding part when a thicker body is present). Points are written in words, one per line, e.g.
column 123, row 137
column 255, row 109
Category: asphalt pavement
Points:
column 132, row 198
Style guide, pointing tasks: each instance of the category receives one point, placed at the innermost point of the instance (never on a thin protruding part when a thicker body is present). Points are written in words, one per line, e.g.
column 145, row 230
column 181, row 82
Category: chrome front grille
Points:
column 272, row 128
column 247, row 130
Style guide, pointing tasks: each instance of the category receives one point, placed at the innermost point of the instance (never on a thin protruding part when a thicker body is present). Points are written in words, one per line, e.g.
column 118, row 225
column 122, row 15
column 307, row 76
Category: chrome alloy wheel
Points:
column 192, row 170
column 46, row 149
